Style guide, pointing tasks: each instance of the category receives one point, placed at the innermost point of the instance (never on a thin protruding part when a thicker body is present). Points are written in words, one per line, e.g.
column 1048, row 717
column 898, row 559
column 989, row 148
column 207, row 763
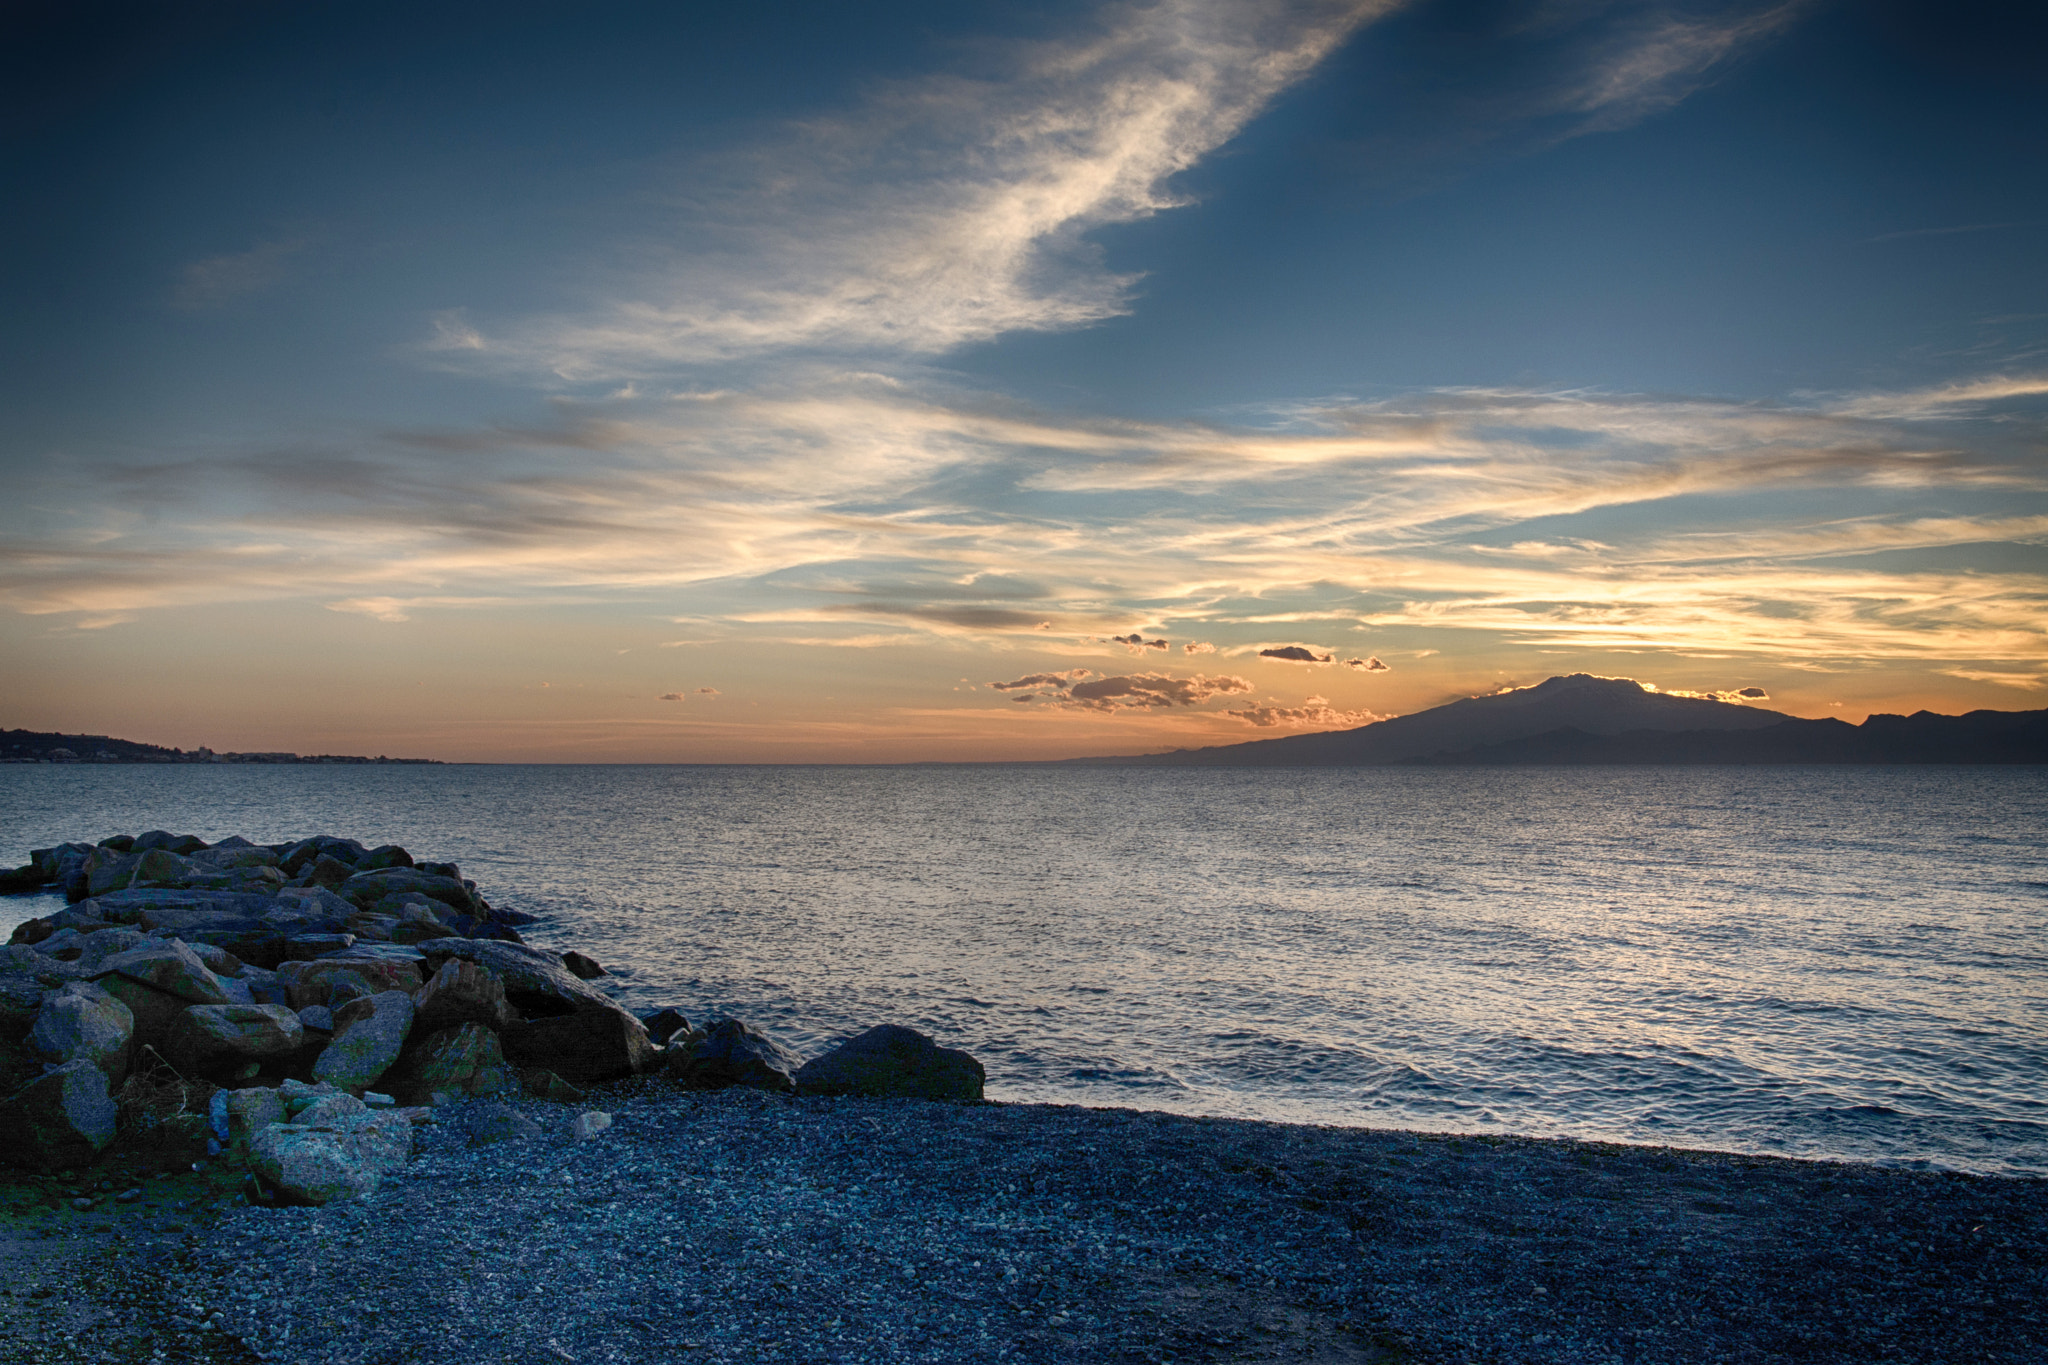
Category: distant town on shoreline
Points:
column 32, row 746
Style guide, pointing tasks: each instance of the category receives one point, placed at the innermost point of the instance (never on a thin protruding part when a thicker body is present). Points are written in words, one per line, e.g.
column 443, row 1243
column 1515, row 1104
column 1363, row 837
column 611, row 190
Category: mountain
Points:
column 1923, row 737
column 1579, row 701
column 37, row 746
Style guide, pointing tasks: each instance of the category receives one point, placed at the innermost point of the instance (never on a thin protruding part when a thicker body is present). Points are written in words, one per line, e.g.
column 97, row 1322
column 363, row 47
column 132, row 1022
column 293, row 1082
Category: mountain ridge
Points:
column 1629, row 721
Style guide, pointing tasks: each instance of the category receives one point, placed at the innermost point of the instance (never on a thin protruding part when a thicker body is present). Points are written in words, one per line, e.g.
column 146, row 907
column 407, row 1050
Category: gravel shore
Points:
column 737, row 1226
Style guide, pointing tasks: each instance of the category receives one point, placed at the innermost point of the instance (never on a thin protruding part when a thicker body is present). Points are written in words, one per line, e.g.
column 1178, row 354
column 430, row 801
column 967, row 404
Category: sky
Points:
column 818, row 382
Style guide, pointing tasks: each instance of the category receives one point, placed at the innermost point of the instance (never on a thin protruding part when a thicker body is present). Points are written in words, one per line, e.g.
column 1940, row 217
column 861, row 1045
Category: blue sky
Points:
column 641, row 382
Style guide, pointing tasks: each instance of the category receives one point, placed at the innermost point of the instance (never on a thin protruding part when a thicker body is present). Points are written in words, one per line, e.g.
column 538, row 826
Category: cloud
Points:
column 1150, row 691
column 1064, row 679
column 1198, row 647
column 2029, row 681
column 1299, row 654
column 1316, row 712
column 1136, row 642
column 670, row 696
column 1372, row 665
column 950, row 210
column 707, row 692
column 1738, row 695
column 217, row 280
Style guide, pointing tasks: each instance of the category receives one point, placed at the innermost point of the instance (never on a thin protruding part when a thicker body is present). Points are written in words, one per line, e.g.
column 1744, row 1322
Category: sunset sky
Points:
column 834, row 382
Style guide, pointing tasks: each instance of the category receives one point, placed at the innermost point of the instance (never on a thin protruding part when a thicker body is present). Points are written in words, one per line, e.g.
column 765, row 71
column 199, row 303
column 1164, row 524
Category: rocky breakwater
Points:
column 308, row 1002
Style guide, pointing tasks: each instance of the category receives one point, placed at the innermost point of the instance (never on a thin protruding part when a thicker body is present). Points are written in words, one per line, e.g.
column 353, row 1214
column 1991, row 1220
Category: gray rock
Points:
column 733, row 1054
column 367, row 888
column 250, row 1111
column 665, row 1024
column 313, row 983
column 581, row 967
column 328, row 871
column 536, row 983
column 451, row 1064
column 171, row 967
column 217, row 1040
column 82, row 1022
column 587, row 1126
column 106, row 943
column 893, row 1060
column 156, row 1012
column 584, row 1048
column 109, row 869
column 317, row 1017
column 364, row 1048
column 64, row 1118
column 486, row 1124
column 338, row 1156
column 462, row 992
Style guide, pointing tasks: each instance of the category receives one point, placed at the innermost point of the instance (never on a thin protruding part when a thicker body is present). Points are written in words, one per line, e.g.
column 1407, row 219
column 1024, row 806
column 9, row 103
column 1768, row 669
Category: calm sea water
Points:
column 1812, row 961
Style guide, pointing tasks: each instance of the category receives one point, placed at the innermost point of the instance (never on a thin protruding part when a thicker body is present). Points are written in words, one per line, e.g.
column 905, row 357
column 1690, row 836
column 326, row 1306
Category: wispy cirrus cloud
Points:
column 216, row 280
column 945, row 210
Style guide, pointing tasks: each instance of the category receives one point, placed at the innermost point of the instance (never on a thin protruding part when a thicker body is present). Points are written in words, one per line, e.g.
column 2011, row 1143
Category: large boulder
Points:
column 893, row 1060
column 536, row 982
column 64, row 1118
column 337, row 1153
column 367, row 888
column 451, row 1064
column 171, row 967
column 26, row 976
column 462, row 992
column 583, row 1048
column 732, row 1054
column 109, row 869
column 313, row 983
column 82, row 1022
column 365, row 1046
column 222, row 1040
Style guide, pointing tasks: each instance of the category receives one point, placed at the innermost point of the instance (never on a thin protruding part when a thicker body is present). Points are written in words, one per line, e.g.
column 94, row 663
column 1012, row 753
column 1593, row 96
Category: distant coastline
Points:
column 34, row 746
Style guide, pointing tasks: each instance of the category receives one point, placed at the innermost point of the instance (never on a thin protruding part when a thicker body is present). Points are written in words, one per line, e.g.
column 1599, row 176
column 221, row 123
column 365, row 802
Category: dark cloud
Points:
column 707, row 691
column 1296, row 654
column 1372, row 665
column 1136, row 642
column 1752, row 694
column 1158, row 691
column 670, row 696
column 1064, row 679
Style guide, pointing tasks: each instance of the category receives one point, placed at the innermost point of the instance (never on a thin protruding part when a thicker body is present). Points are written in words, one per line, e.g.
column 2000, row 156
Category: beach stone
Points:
column 491, row 1123
column 451, row 1063
column 215, row 1040
column 364, row 1048
column 63, row 1118
column 82, row 1022
column 586, row 1126
column 313, row 983
column 893, row 1060
column 229, row 857
column 581, row 967
column 317, row 1017
column 341, row 1155
column 541, row 1084
column 27, row 877
column 733, row 1054
column 171, row 967
column 182, row 844
column 583, row 1048
column 161, row 867
column 22, row 989
column 665, row 1024
column 30, row 932
column 462, row 992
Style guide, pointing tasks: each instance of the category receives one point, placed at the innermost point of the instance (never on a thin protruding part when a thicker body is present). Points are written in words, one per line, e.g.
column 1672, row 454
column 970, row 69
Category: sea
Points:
column 1839, row 962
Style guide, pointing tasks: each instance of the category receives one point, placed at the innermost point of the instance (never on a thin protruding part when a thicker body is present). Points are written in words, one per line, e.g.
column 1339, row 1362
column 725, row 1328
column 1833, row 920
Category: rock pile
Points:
column 296, row 977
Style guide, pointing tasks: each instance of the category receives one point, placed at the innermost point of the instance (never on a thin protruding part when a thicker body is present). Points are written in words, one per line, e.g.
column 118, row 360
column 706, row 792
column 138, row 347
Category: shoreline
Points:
column 764, row 1228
